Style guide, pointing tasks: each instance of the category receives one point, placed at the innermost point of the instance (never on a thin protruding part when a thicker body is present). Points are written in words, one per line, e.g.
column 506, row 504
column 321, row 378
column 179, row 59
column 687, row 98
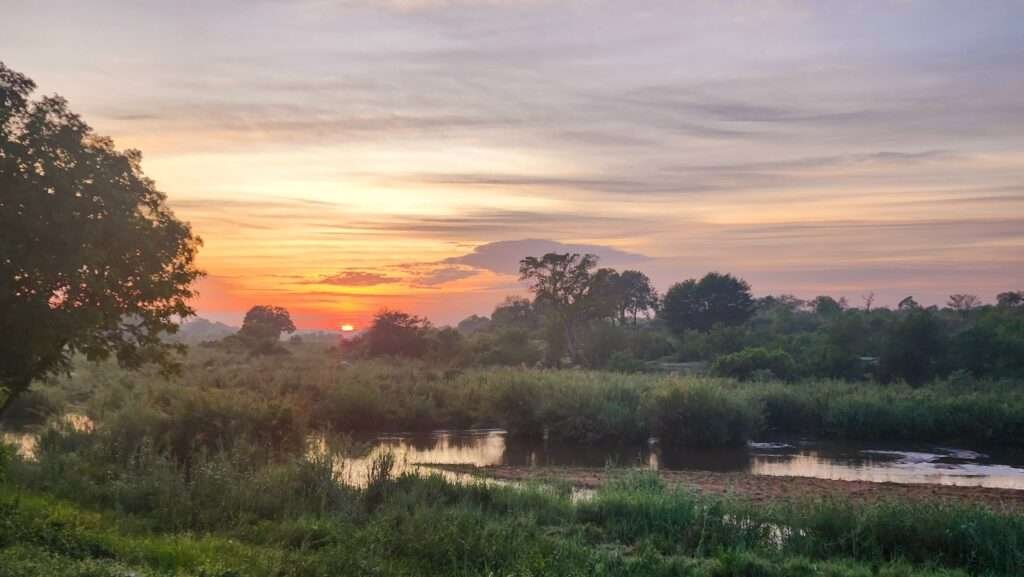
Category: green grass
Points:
column 244, row 511
column 430, row 527
column 221, row 399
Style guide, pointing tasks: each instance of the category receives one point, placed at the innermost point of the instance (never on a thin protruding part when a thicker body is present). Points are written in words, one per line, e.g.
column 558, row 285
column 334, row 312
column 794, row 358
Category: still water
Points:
column 803, row 458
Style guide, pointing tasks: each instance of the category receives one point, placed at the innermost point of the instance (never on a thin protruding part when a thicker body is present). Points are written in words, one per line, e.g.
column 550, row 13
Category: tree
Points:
column 1010, row 299
column 826, row 306
column 915, row 348
column 638, row 295
column 908, row 304
column 473, row 324
column 869, row 299
column 606, row 295
column 515, row 312
column 963, row 303
column 92, row 260
column 563, row 282
column 261, row 330
column 398, row 334
column 699, row 305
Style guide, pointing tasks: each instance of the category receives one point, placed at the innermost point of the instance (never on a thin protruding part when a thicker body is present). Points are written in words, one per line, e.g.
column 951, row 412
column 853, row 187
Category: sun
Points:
column 347, row 328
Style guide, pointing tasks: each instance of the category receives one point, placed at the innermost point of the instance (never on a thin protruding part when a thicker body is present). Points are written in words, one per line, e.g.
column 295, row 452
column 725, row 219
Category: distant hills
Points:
column 199, row 330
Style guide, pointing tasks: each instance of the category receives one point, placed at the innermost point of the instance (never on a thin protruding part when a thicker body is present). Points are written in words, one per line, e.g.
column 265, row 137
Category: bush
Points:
column 755, row 363
column 703, row 413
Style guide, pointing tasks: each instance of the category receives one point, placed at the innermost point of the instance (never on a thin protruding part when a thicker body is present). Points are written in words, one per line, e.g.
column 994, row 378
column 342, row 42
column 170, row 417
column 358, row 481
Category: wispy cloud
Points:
column 356, row 278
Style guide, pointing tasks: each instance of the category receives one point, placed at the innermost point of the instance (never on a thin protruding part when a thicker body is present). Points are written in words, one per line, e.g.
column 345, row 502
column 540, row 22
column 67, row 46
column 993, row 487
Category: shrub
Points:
column 703, row 413
column 755, row 362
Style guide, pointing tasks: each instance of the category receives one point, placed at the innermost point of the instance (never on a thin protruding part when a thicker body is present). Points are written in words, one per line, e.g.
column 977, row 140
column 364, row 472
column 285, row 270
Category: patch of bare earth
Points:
column 763, row 489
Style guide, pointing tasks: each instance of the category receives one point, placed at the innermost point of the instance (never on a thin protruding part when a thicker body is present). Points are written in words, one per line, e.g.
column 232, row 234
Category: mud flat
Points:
column 761, row 488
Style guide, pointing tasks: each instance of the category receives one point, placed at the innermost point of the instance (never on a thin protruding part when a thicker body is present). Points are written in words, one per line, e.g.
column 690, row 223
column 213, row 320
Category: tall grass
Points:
column 220, row 399
column 239, row 514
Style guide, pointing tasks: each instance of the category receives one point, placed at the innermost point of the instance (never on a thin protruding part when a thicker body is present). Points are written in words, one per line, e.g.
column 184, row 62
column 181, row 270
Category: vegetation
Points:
column 591, row 317
column 222, row 395
column 92, row 505
column 215, row 472
column 91, row 259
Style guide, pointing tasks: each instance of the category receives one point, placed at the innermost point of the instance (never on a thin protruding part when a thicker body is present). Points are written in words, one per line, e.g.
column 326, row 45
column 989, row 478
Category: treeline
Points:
column 600, row 318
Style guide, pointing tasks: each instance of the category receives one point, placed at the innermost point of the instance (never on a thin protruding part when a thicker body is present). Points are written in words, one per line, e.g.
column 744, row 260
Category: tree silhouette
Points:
column 262, row 328
column 715, row 299
column 963, row 303
column 1010, row 299
column 638, row 295
column 562, row 282
column 91, row 259
column 398, row 334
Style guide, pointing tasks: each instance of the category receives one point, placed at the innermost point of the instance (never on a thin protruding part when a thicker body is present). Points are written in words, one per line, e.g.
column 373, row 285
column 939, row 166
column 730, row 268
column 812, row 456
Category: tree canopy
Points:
column 262, row 328
column 716, row 299
column 563, row 282
column 395, row 333
column 92, row 260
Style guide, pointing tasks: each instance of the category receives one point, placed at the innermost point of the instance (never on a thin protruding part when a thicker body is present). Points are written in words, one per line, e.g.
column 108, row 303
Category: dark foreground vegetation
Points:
column 89, row 504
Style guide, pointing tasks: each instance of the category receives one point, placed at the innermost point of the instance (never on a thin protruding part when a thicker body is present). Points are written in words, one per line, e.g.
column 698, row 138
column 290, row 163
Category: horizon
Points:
column 342, row 157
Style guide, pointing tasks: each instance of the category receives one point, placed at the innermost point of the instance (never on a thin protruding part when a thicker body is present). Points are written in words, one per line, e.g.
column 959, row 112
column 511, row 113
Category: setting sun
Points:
column 347, row 328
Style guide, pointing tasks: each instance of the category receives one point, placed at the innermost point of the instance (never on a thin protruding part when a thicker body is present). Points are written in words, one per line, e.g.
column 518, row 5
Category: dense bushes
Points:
column 219, row 400
column 755, row 363
column 703, row 413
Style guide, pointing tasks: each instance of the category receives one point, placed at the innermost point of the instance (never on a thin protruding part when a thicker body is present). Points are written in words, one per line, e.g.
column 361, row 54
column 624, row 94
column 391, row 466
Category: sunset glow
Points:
column 342, row 157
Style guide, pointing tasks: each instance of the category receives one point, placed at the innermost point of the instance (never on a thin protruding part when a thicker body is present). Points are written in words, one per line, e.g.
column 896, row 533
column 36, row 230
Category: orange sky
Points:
column 340, row 157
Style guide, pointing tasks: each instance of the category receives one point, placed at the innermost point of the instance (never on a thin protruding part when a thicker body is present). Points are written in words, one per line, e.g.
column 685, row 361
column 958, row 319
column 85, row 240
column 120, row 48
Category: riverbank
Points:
column 761, row 489
column 280, row 401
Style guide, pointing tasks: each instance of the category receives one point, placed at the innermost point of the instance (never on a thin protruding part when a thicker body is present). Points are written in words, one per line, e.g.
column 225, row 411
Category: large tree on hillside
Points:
column 699, row 305
column 563, row 283
column 91, row 259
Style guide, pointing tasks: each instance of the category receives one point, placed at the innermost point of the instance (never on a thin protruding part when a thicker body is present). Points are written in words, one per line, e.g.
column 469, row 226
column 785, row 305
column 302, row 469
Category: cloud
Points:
column 356, row 278
column 503, row 257
column 442, row 276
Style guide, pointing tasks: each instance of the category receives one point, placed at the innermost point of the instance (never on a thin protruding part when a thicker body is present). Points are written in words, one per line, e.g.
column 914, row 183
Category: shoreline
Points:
column 761, row 488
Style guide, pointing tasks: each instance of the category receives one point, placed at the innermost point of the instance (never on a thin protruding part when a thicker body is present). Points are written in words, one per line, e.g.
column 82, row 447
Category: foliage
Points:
column 262, row 328
column 395, row 333
column 915, row 348
column 634, row 525
column 92, row 260
column 702, row 413
column 716, row 299
column 563, row 282
column 754, row 363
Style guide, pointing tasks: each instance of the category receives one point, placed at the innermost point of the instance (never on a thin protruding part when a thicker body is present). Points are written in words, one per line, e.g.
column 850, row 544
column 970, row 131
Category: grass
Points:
column 432, row 527
column 209, row 475
column 220, row 399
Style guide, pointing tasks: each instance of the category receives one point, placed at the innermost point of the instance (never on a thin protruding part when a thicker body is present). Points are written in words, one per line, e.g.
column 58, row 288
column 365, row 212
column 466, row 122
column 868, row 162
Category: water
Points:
column 903, row 463
column 25, row 442
column 875, row 462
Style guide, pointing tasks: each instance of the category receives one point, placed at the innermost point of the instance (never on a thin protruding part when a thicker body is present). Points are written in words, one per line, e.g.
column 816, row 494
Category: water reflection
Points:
column 25, row 442
column 841, row 461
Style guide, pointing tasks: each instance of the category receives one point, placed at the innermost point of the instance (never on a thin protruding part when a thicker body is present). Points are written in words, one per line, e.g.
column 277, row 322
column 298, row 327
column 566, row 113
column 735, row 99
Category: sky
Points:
column 339, row 157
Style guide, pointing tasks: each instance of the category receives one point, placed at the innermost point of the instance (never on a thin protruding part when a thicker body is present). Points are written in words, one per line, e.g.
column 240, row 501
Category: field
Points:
column 208, row 473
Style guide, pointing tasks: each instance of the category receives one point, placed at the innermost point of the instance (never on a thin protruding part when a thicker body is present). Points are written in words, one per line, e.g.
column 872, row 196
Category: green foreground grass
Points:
column 430, row 527
column 98, row 511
